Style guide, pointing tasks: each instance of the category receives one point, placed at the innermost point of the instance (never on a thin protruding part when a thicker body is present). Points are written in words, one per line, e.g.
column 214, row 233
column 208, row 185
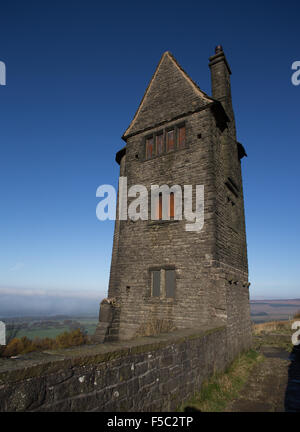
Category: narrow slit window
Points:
column 172, row 205
column 156, row 283
column 159, row 144
column 159, row 212
column 170, row 283
column 170, row 140
column 149, row 148
column 159, row 206
column 181, row 137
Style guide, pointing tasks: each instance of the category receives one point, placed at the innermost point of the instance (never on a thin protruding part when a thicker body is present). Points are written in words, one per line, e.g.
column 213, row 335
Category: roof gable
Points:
column 171, row 93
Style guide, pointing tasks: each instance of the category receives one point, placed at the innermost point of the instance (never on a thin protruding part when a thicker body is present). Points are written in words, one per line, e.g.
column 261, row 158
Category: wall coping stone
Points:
column 42, row 363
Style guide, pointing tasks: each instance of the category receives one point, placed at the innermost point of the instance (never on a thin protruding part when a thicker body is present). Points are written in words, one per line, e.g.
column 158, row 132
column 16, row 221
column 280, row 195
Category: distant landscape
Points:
column 50, row 325
column 273, row 310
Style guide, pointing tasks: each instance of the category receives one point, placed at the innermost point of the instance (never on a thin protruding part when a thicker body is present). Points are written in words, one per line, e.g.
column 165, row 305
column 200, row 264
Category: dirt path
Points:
column 265, row 388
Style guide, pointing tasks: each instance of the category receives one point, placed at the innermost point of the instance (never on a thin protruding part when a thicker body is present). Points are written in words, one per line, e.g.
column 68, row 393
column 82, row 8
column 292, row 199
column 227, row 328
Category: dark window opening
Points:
column 156, row 283
column 170, row 283
column 163, row 283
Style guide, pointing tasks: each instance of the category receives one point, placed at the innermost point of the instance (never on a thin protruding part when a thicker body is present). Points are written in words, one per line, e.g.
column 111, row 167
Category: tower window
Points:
column 163, row 283
column 170, row 140
column 170, row 283
column 181, row 137
column 149, row 148
column 159, row 144
column 160, row 206
column 165, row 141
column 172, row 205
column 156, row 283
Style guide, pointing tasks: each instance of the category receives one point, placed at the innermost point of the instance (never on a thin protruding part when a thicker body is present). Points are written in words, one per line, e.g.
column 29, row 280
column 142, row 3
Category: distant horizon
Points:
column 32, row 303
column 94, row 294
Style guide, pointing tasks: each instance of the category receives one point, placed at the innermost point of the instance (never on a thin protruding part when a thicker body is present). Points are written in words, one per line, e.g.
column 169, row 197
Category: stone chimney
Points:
column 220, row 84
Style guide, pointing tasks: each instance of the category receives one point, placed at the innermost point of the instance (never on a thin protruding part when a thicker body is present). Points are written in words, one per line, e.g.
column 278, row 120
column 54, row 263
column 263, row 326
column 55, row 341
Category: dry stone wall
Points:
column 148, row 374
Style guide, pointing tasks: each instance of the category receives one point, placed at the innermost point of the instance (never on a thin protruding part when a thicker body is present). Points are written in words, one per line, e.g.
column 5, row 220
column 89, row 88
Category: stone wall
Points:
column 148, row 374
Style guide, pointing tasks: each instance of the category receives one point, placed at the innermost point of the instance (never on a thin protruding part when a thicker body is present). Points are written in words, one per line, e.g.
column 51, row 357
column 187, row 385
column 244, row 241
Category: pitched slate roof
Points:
column 171, row 93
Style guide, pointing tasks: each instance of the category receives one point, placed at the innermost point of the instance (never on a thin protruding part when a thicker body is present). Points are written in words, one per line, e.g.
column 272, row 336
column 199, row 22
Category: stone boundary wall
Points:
column 147, row 374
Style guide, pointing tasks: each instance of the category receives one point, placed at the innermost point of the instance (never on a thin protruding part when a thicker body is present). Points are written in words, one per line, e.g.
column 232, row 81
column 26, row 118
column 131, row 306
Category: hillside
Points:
column 273, row 310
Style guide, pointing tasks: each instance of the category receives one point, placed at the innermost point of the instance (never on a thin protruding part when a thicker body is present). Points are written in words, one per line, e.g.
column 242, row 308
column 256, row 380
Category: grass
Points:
column 221, row 388
column 155, row 326
column 280, row 327
column 276, row 333
column 51, row 332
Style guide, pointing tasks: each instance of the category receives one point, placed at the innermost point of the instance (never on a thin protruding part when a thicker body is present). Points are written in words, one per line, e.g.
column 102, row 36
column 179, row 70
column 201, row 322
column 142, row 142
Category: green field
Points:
column 41, row 332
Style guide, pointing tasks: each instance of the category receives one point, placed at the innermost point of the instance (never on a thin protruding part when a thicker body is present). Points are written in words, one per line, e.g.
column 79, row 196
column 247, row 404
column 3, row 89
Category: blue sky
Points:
column 76, row 72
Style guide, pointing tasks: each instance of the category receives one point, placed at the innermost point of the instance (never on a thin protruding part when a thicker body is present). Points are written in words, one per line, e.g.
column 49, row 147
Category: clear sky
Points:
column 76, row 71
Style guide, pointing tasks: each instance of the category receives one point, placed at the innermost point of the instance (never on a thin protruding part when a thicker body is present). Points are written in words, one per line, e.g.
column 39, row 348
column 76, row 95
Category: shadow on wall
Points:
column 292, row 394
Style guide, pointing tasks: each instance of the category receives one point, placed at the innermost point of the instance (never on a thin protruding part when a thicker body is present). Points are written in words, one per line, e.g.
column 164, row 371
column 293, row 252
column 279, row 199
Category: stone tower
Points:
column 163, row 276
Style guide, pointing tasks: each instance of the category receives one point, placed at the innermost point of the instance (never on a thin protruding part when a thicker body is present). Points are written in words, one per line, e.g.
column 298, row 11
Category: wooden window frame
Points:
column 171, row 208
column 178, row 127
column 160, row 134
column 164, row 133
column 172, row 129
column 147, row 138
column 172, row 205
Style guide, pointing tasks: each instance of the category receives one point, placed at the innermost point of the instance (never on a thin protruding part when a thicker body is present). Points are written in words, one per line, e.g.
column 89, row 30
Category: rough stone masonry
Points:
column 163, row 277
column 146, row 374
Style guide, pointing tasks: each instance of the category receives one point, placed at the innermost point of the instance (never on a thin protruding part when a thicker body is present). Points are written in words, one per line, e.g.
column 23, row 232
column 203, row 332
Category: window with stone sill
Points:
column 163, row 283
